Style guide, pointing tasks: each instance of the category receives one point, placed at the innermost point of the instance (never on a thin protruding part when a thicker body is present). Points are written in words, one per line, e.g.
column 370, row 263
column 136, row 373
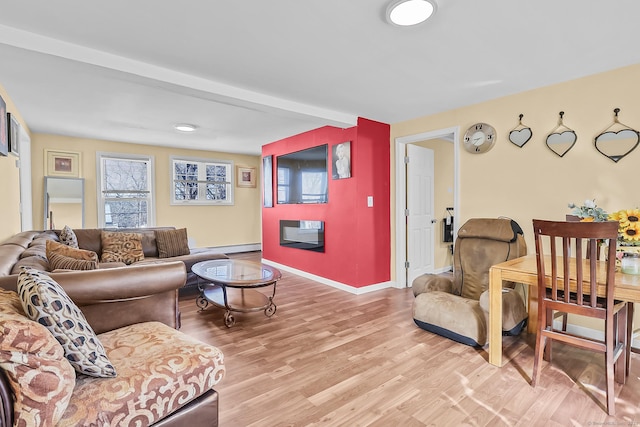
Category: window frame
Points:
column 202, row 163
column 151, row 203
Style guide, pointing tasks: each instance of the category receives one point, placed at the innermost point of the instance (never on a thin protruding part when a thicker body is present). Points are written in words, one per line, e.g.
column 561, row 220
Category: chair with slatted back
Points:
column 569, row 243
column 575, row 218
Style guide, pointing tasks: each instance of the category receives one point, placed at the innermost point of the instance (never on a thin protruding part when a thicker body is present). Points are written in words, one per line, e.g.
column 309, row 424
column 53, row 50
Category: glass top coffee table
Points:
column 231, row 284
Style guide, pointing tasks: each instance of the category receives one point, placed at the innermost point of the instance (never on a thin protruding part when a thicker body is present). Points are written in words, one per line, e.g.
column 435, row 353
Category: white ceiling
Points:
column 254, row 71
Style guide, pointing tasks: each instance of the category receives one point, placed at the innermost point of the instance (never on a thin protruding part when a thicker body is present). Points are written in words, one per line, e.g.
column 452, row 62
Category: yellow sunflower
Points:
column 631, row 232
column 614, row 216
column 628, row 216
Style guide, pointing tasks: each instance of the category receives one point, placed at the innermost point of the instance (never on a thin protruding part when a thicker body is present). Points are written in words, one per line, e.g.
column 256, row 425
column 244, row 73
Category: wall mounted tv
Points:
column 302, row 176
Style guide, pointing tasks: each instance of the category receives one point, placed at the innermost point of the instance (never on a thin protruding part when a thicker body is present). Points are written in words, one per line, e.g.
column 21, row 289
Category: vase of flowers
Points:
column 589, row 212
column 628, row 244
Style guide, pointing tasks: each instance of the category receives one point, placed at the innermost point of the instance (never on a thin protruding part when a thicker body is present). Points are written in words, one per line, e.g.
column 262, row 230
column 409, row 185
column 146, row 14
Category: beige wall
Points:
column 532, row 182
column 206, row 225
column 10, row 182
column 442, row 195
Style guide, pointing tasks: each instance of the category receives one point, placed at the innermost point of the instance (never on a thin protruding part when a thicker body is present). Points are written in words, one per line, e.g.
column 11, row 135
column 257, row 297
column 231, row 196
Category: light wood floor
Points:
column 331, row 358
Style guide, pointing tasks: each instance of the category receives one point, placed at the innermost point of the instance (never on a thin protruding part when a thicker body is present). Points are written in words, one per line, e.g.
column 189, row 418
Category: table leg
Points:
column 495, row 317
column 629, row 349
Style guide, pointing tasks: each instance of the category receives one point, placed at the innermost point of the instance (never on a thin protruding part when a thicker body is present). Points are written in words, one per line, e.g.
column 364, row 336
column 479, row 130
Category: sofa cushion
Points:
column 68, row 237
column 172, row 243
column 60, row 248
column 40, row 377
column 160, row 369
column 36, row 262
column 44, row 301
column 121, row 247
column 40, row 251
column 62, row 262
column 90, row 239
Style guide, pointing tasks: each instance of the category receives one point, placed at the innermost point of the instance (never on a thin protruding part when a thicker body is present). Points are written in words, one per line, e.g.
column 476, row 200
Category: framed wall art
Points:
column 245, row 176
column 341, row 160
column 14, row 132
column 62, row 163
column 4, row 132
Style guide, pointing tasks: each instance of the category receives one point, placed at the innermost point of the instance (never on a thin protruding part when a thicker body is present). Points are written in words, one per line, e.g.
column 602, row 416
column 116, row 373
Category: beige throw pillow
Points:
column 59, row 248
column 121, row 247
column 172, row 243
column 46, row 302
column 62, row 262
column 68, row 237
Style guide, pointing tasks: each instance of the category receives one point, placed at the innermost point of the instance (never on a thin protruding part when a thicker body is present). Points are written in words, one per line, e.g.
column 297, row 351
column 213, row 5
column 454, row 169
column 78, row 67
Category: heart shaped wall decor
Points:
column 616, row 145
column 561, row 143
column 520, row 137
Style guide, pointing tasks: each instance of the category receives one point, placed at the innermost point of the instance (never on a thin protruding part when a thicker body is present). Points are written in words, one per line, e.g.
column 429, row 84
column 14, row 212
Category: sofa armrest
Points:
column 430, row 283
column 116, row 297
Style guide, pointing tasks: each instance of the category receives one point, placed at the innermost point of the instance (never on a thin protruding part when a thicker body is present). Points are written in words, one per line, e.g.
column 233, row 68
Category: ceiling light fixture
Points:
column 406, row 13
column 185, row 127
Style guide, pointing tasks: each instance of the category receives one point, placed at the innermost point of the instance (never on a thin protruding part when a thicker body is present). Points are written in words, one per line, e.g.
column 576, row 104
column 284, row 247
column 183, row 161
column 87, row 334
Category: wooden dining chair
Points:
column 564, row 286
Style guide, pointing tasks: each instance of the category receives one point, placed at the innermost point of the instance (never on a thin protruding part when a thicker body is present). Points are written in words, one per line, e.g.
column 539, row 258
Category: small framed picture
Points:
column 14, row 132
column 4, row 131
column 341, row 160
column 246, row 176
column 62, row 163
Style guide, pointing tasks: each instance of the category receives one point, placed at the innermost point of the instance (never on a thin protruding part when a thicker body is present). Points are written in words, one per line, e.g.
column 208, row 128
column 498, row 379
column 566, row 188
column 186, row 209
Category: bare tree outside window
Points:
column 201, row 181
column 126, row 192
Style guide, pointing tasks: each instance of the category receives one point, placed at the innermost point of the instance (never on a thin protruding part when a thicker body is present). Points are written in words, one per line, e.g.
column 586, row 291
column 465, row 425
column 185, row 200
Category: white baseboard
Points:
column 446, row 269
column 332, row 283
column 232, row 249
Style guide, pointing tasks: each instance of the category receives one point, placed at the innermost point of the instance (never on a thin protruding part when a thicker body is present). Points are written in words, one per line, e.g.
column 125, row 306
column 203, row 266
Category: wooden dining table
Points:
column 524, row 270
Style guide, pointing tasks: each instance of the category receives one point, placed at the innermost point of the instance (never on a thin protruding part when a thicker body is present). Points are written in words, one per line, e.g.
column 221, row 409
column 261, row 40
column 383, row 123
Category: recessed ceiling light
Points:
column 185, row 127
column 410, row 12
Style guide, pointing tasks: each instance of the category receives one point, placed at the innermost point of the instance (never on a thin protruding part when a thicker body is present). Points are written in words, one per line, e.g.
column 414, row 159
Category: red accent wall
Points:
column 357, row 237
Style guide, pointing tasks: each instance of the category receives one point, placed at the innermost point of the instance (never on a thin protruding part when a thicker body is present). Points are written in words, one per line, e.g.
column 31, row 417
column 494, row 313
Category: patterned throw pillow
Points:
column 68, row 237
column 41, row 379
column 121, row 247
column 62, row 262
column 46, row 302
column 59, row 248
column 172, row 243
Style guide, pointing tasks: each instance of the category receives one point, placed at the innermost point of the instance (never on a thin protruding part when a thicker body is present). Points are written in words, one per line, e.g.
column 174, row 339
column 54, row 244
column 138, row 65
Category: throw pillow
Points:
column 46, row 302
column 62, row 262
column 55, row 247
column 41, row 379
column 172, row 243
column 68, row 237
column 121, row 247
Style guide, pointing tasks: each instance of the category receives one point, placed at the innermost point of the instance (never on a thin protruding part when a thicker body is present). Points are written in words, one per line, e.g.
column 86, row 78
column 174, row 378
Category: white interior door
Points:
column 420, row 227
column 26, row 206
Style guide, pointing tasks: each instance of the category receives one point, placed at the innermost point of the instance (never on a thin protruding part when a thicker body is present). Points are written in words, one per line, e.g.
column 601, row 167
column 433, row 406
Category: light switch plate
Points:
column 369, row 201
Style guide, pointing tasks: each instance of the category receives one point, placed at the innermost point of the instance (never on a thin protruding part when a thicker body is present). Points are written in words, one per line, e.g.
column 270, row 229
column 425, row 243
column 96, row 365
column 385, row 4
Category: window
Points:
column 201, row 181
column 284, row 178
column 125, row 188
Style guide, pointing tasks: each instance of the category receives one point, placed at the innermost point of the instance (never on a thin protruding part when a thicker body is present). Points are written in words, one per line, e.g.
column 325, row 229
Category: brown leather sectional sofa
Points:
column 28, row 249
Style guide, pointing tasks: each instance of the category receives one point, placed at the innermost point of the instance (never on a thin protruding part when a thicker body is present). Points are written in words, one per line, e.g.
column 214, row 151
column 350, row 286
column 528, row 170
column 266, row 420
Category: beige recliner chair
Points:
column 458, row 307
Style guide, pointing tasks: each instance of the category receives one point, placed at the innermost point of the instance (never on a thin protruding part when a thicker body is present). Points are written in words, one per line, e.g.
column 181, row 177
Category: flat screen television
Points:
column 302, row 176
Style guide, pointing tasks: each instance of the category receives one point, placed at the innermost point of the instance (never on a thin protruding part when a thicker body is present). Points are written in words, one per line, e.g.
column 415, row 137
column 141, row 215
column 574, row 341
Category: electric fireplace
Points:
column 302, row 234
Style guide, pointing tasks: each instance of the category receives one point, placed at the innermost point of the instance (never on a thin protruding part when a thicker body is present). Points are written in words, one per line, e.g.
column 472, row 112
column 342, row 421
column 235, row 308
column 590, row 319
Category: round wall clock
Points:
column 479, row 138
